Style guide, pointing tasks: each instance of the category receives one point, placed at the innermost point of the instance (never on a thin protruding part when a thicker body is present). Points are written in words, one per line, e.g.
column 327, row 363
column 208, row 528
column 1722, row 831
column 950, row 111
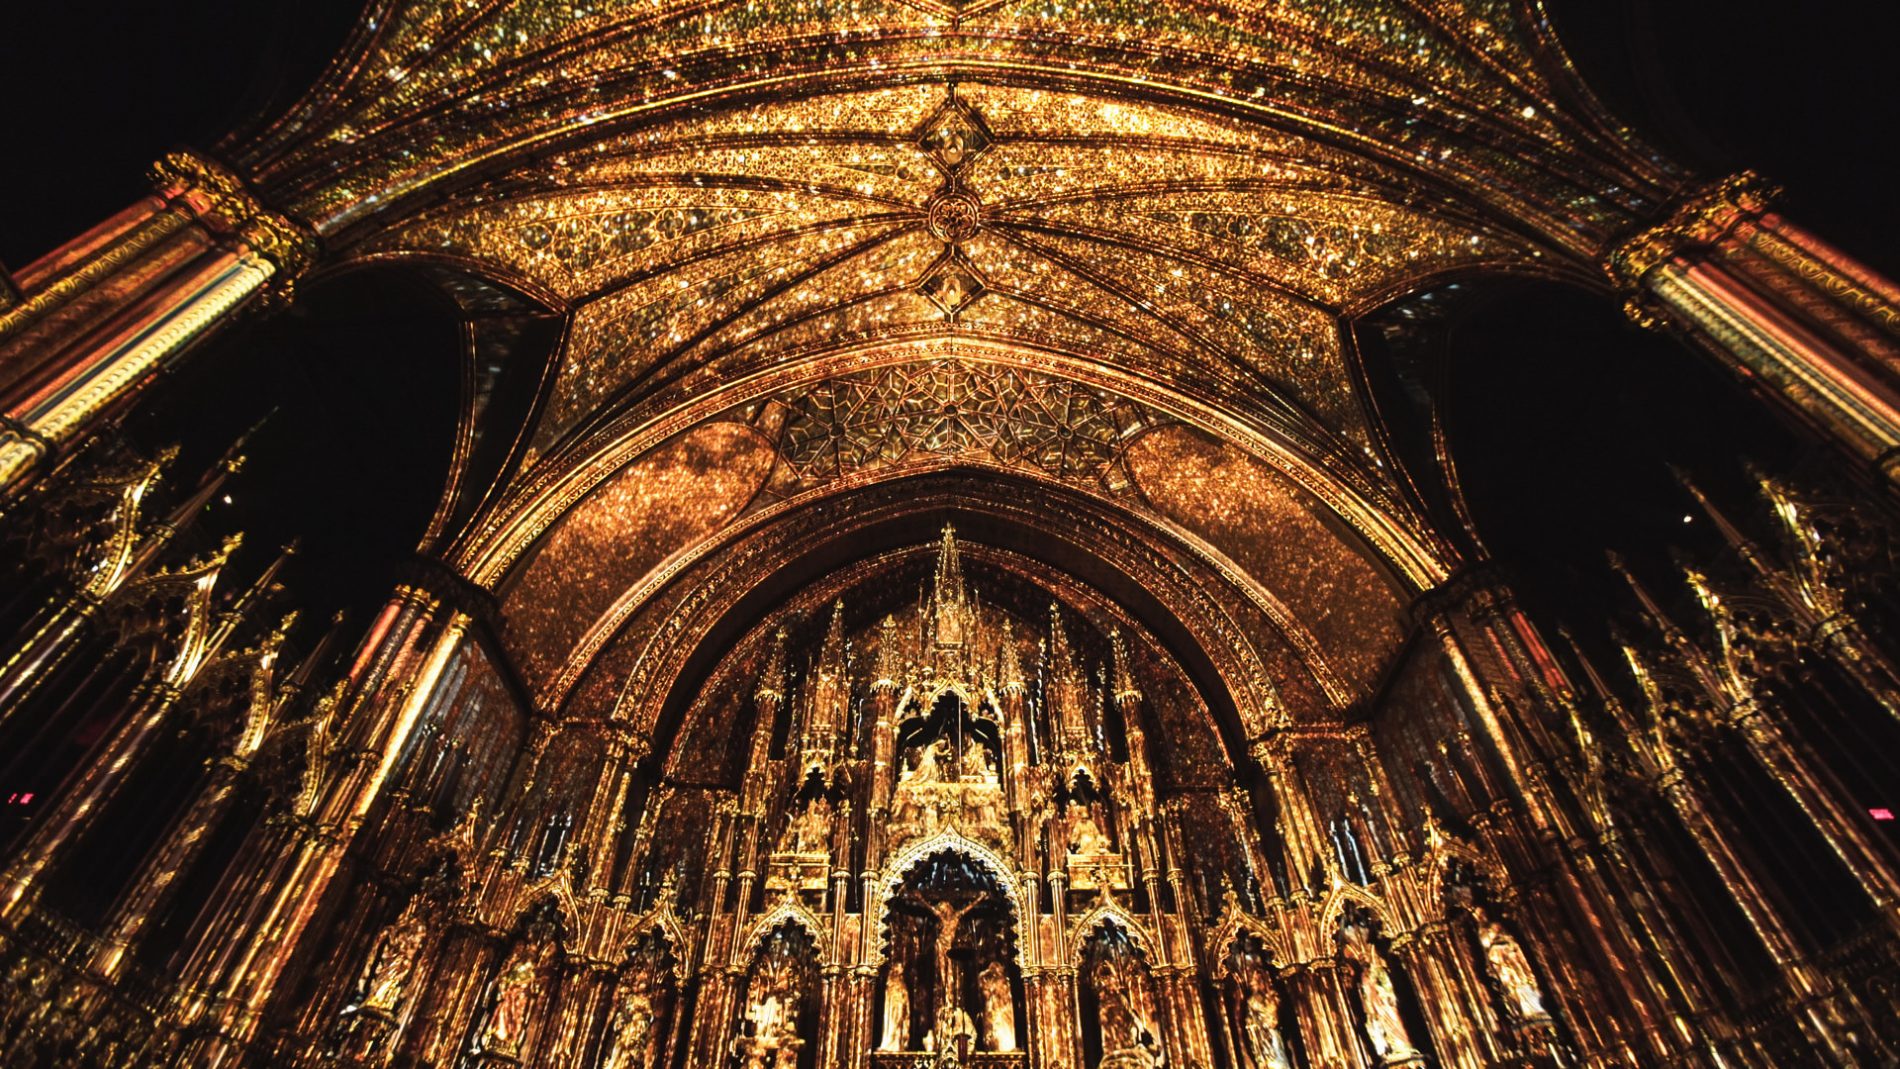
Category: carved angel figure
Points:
column 1512, row 972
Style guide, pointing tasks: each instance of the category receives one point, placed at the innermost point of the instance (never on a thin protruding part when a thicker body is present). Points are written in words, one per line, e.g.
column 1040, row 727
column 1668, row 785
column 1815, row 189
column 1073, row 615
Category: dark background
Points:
column 92, row 93
column 1562, row 416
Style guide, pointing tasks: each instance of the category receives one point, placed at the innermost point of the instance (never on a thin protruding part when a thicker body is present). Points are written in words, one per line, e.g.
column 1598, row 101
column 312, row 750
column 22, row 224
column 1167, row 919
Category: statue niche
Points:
column 950, row 983
column 801, row 860
column 1383, row 1019
column 1092, row 858
column 778, row 1015
column 1256, row 1022
column 1121, row 1028
column 643, row 1003
column 947, row 774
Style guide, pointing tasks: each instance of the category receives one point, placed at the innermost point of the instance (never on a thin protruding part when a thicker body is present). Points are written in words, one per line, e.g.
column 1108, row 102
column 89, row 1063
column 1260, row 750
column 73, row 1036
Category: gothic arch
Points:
column 1111, row 914
column 916, row 853
column 786, row 911
column 1235, row 674
column 1345, row 894
column 494, row 546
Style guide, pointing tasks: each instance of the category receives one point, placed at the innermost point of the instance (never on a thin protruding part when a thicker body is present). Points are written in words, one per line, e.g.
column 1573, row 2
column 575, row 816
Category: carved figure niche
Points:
column 639, row 1027
column 1260, row 1029
column 778, row 1017
column 950, row 983
column 948, row 772
column 517, row 990
column 1120, row 1026
column 1491, row 950
column 1387, row 1012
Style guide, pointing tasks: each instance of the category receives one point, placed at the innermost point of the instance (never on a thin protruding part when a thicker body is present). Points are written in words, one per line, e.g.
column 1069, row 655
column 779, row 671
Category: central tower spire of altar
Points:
column 952, row 617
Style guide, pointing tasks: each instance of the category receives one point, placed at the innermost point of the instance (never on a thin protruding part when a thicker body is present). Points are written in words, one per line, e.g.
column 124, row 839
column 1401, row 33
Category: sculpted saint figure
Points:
column 927, row 768
column 977, row 763
column 999, row 1006
column 1260, row 1024
column 1512, row 971
column 632, row 1034
column 1087, row 837
column 391, row 962
column 508, row 1015
column 896, row 1011
column 1385, row 1028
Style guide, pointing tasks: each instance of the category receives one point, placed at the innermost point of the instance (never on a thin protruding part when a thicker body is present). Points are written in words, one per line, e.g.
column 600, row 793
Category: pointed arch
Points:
column 921, row 850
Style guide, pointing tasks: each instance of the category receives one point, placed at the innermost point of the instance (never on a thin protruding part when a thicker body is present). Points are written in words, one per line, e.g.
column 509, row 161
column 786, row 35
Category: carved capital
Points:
column 1701, row 220
column 221, row 201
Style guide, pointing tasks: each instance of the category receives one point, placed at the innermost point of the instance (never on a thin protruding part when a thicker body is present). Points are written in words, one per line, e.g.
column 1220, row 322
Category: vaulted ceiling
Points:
column 805, row 247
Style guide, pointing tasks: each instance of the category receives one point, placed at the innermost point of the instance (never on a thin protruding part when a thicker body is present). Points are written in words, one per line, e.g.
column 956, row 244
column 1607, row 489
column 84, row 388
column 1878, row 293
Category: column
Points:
column 237, row 962
column 202, row 636
column 100, row 316
column 1814, row 330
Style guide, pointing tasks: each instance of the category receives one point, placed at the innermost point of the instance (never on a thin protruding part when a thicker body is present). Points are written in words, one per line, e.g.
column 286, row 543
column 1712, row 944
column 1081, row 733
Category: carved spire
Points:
column 1121, row 679
column 1066, row 688
column 950, row 569
column 829, row 692
column 1692, row 656
column 951, row 616
column 1744, row 546
column 890, row 659
column 772, row 677
column 1009, row 666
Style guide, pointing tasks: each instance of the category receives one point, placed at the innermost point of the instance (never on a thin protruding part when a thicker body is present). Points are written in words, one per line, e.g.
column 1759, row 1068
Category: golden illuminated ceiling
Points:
column 804, row 247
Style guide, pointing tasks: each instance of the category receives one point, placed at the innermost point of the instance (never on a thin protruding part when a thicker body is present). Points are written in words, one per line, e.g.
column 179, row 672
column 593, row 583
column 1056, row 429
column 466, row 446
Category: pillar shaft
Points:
column 235, row 980
column 1789, row 314
column 99, row 317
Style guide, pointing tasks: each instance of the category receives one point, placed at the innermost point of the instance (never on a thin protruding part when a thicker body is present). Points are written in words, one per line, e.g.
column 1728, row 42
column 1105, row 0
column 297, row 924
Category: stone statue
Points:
column 1512, row 972
column 896, row 1011
column 1260, row 1024
column 999, row 1006
column 1385, row 1028
column 977, row 763
column 808, row 831
column 1125, row 1007
column 631, row 1037
column 929, row 767
column 508, row 1013
column 1085, row 836
column 391, row 962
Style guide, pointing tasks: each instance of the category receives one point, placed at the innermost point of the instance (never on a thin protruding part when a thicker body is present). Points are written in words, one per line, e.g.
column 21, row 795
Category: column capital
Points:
column 225, row 204
column 1701, row 219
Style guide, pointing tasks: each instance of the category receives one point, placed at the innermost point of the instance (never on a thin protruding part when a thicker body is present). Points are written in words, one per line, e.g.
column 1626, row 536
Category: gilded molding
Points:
column 1701, row 220
column 216, row 197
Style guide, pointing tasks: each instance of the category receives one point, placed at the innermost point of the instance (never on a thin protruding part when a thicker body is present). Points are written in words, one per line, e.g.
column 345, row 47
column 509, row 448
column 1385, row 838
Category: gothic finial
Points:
column 949, row 569
column 772, row 678
column 1060, row 656
column 1009, row 661
column 1121, row 678
column 834, row 635
column 890, row 660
